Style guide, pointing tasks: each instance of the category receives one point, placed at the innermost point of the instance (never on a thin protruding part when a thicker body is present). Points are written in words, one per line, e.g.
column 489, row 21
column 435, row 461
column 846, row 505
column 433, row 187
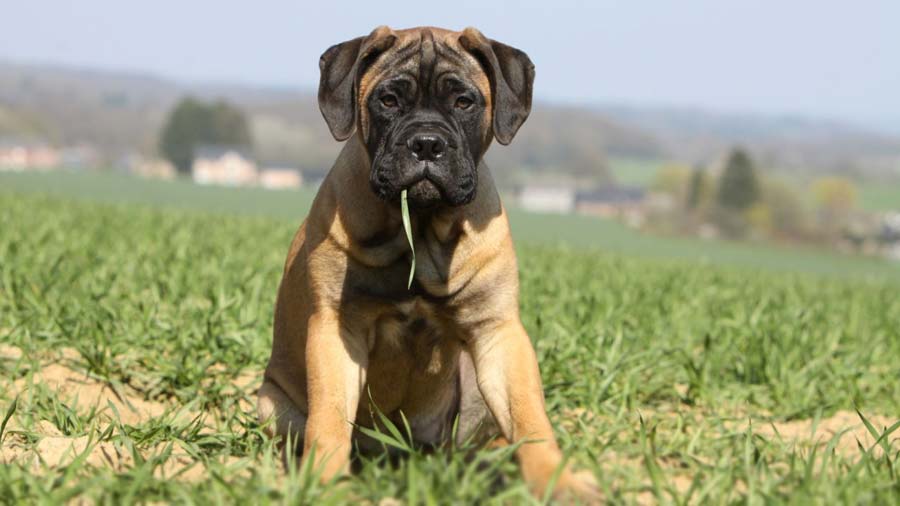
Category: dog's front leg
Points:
column 508, row 377
column 336, row 373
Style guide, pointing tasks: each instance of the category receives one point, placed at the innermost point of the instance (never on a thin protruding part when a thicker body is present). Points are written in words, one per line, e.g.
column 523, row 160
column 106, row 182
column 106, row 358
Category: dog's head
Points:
column 427, row 102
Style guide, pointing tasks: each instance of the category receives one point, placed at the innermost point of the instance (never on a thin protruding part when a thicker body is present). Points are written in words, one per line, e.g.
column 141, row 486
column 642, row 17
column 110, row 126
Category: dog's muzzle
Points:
column 426, row 161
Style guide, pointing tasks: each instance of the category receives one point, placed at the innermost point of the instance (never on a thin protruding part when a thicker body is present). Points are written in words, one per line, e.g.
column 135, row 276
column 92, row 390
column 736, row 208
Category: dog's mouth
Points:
column 424, row 193
column 424, row 185
column 430, row 191
column 428, row 184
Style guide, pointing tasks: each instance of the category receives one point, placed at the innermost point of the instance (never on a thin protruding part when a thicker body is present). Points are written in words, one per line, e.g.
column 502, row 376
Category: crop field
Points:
column 135, row 322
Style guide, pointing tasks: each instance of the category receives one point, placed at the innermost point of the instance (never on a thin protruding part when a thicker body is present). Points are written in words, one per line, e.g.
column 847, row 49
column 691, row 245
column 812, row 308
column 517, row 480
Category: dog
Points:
column 418, row 109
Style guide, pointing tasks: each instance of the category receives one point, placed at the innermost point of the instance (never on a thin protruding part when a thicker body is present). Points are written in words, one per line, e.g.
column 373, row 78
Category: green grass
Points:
column 528, row 228
column 880, row 196
column 671, row 380
column 635, row 171
column 179, row 194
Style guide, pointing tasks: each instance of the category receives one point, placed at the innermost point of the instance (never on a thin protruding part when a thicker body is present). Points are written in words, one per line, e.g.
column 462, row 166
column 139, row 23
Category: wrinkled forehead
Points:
column 423, row 56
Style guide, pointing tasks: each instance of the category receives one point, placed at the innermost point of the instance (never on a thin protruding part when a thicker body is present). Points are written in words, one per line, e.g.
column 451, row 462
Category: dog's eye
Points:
column 464, row 103
column 389, row 101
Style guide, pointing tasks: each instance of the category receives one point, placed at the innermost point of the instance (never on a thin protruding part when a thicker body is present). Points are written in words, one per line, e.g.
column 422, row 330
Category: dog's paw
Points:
column 577, row 488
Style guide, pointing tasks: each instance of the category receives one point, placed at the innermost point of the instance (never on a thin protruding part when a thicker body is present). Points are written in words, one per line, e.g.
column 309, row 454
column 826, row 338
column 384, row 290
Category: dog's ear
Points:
column 341, row 68
column 512, row 77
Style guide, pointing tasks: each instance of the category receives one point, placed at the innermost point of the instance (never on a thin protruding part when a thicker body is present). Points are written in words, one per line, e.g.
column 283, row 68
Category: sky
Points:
column 820, row 58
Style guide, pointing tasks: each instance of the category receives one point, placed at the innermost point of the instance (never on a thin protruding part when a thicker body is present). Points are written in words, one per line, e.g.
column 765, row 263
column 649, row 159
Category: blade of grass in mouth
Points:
column 404, row 211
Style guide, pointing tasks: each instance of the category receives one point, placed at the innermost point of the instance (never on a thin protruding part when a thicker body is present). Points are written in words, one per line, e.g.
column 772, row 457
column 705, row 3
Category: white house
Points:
column 223, row 165
column 18, row 155
column 547, row 199
column 280, row 178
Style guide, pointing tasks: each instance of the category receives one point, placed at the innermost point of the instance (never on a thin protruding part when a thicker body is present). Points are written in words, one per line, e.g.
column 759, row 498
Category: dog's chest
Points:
column 410, row 325
column 413, row 357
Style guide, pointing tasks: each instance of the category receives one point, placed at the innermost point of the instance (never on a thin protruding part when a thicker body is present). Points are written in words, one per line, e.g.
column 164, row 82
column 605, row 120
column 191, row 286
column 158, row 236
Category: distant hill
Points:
column 117, row 112
column 121, row 113
column 788, row 142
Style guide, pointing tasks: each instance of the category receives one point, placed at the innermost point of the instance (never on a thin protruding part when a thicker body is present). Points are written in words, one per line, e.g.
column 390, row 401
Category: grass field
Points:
column 880, row 196
column 135, row 324
column 578, row 232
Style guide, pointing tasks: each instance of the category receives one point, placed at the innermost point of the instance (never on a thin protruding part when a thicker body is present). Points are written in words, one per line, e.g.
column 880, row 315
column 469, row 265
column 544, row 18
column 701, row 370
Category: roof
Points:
column 611, row 194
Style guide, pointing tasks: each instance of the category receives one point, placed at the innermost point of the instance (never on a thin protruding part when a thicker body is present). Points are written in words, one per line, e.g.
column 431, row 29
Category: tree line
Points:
column 736, row 200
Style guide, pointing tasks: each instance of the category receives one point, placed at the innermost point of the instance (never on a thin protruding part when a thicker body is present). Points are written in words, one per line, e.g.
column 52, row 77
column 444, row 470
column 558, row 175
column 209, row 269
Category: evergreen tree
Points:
column 738, row 186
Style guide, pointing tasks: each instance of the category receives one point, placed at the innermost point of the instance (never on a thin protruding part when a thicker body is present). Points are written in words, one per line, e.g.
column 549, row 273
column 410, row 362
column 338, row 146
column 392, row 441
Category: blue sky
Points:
column 832, row 59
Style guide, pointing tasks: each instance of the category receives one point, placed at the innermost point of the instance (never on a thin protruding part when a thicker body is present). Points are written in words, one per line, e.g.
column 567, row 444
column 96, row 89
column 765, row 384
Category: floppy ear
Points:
column 341, row 67
column 512, row 77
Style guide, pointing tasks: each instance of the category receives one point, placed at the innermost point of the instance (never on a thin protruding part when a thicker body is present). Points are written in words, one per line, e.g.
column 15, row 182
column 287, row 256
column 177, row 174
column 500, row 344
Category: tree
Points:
column 836, row 199
column 759, row 218
column 738, row 187
column 672, row 179
column 193, row 123
column 789, row 214
column 835, row 194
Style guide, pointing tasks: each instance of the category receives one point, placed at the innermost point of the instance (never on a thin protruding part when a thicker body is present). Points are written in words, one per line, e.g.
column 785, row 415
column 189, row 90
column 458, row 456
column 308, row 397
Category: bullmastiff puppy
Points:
column 418, row 109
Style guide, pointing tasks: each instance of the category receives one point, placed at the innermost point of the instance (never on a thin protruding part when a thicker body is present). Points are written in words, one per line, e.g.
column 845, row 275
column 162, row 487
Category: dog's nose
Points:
column 427, row 147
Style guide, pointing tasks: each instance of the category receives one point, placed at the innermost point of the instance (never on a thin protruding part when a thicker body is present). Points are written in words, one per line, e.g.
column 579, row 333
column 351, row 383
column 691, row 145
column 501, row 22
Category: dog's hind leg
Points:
column 280, row 416
column 476, row 425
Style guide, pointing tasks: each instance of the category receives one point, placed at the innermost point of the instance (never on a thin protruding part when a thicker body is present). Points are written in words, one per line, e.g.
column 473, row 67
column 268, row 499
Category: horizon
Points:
column 805, row 60
column 598, row 107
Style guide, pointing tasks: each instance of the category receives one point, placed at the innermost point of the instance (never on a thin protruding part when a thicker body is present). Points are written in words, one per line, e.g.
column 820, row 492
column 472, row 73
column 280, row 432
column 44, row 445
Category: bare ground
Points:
column 43, row 444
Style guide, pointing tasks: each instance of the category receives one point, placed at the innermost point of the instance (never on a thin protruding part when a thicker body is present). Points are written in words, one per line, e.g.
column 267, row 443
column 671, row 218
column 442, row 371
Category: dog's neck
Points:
column 349, row 182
